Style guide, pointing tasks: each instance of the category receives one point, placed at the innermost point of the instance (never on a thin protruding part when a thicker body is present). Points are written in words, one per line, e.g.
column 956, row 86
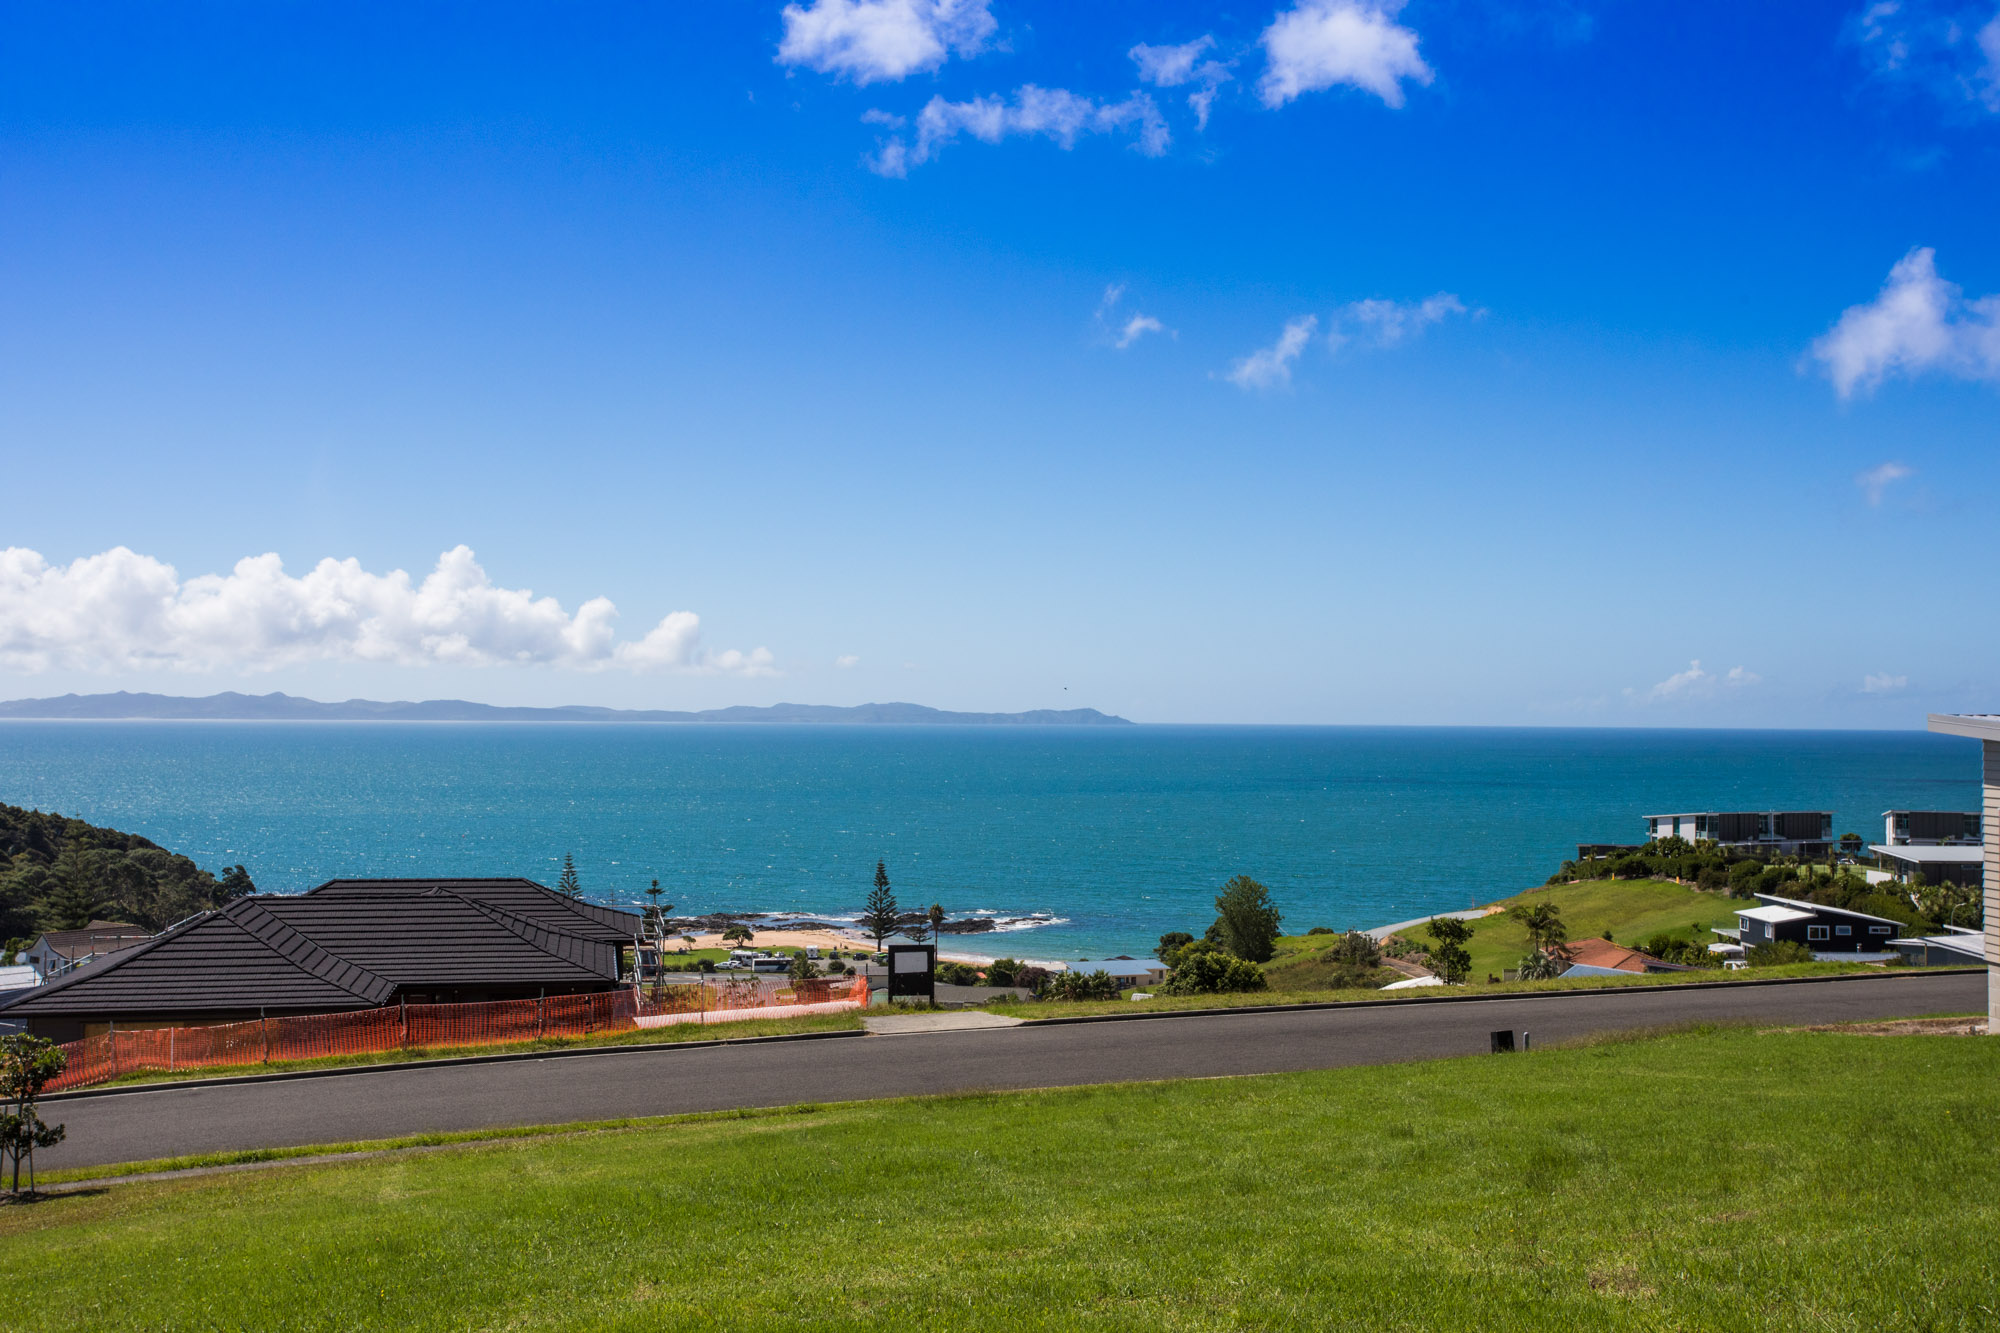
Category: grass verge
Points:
column 1080, row 1008
column 749, row 1027
column 1713, row 1179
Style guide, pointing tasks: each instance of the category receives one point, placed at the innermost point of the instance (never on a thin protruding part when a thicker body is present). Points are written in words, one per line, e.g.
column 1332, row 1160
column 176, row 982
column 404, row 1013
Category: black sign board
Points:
column 912, row 972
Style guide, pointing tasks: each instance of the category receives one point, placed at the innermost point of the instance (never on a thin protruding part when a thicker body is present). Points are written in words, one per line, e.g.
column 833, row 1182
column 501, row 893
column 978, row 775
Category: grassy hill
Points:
column 1633, row 910
column 1574, row 1188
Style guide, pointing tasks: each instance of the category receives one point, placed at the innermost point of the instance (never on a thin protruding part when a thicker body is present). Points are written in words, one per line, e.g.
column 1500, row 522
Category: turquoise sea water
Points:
column 1108, row 835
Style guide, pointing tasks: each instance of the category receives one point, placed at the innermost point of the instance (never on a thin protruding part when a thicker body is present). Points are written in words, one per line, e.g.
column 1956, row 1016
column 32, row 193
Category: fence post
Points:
column 265, row 1023
column 114, row 1048
column 541, row 1016
column 403, row 1005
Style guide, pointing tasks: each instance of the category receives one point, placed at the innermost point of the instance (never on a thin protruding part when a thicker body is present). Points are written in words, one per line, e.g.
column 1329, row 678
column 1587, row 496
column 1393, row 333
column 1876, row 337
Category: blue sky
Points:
column 1457, row 363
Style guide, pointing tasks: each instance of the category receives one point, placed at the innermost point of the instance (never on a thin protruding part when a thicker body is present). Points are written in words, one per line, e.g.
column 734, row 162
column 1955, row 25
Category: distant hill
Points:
column 233, row 707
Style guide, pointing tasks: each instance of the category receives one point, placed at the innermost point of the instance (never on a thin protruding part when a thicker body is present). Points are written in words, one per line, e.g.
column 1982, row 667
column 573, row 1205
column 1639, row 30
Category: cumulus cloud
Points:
column 1877, row 480
column 1136, row 328
column 1387, row 323
column 1695, row 683
column 1269, row 367
column 1177, row 66
column 847, row 660
column 1884, row 683
column 882, row 41
column 1322, row 43
column 1128, row 330
column 1917, row 323
column 121, row 611
column 1052, row 113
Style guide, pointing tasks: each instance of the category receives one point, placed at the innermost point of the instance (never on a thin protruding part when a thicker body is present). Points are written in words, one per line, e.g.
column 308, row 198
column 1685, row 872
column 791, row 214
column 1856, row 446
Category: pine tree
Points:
column 568, row 885
column 74, row 894
column 880, row 919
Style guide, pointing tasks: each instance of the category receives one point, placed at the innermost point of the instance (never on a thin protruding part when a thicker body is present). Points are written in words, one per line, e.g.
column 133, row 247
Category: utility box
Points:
column 912, row 972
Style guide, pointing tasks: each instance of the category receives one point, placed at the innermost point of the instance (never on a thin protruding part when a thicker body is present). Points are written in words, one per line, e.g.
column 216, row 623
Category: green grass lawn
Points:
column 1706, row 1180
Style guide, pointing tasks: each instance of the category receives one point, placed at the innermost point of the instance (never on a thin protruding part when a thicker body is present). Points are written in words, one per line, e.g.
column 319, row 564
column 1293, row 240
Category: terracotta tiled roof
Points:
column 1603, row 953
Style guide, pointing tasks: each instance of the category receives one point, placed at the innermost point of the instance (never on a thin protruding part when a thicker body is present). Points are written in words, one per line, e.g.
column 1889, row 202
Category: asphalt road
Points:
column 171, row 1121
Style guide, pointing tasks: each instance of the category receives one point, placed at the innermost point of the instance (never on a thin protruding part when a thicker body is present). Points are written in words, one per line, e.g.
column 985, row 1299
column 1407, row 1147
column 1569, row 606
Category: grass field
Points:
column 1632, row 910
column 1706, row 1180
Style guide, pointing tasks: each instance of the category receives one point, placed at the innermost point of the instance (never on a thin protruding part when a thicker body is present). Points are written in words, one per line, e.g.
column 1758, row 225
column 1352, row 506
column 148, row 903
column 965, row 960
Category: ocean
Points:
column 1087, row 840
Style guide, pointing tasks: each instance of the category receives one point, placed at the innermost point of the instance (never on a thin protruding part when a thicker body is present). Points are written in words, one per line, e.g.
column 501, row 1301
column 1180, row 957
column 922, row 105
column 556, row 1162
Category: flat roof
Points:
column 1961, row 854
column 1774, row 915
column 1979, row 726
column 1820, row 909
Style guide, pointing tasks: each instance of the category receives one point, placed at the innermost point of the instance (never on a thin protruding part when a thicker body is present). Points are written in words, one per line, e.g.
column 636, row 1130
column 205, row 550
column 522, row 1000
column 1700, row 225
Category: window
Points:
column 1880, row 930
column 1816, row 932
column 1843, row 930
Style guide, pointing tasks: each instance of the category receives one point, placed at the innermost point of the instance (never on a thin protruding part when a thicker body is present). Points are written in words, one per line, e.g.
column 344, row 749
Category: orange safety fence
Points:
column 119, row 1052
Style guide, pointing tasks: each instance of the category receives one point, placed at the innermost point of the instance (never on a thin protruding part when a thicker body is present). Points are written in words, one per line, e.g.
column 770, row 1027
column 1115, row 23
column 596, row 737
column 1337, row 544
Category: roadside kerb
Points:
column 1653, row 989
column 502, row 1057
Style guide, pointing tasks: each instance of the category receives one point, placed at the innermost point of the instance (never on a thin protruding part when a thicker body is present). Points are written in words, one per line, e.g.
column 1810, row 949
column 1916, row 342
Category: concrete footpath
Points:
column 175, row 1120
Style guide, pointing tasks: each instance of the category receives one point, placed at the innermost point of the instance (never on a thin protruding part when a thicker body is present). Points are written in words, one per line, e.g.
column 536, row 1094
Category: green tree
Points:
column 881, row 918
column 1171, row 944
column 1246, row 920
column 568, row 885
column 74, row 892
column 937, row 922
column 1544, row 924
column 1448, row 956
column 27, row 1064
column 802, row 968
column 234, row 882
column 737, row 932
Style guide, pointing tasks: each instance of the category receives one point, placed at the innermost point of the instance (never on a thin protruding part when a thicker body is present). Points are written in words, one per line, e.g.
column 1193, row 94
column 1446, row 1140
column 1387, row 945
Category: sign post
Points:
column 913, row 972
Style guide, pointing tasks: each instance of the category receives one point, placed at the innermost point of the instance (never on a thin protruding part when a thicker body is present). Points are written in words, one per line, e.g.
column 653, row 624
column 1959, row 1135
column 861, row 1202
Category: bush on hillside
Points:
column 1003, row 972
column 1212, row 972
column 1778, row 952
column 958, row 974
column 1171, row 944
column 58, row 873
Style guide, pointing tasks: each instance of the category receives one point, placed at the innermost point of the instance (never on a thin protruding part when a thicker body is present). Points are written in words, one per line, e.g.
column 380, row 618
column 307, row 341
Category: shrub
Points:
column 1170, row 944
column 1777, row 952
column 958, row 974
column 1003, row 972
column 1322, row 930
column 1448, row 957
column 1356, row 950
column 1212, row 972
column 1099, row 985
column 1542, row 965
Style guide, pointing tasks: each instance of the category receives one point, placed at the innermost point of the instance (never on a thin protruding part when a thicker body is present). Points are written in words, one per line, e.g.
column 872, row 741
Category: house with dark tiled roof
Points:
column 348, row 945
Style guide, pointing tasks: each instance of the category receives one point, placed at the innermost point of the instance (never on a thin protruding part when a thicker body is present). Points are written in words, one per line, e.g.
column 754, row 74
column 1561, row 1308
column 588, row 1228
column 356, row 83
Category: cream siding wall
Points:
column 1991, row 806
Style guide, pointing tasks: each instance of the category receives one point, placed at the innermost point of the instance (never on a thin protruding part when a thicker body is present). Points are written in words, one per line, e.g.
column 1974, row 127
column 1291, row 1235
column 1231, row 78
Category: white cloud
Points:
column 847, row 660
column 1876, row 480
column 1883, row 683
column 1136, row 328
column 877, row 41
column 1175, row 66
column 1322, row 43
column 1695, row 683
column 1271, row 366
column 1387, row 323
column 1949, row 48
column 1917, row 323
column 1053, row 113
column 124, row 611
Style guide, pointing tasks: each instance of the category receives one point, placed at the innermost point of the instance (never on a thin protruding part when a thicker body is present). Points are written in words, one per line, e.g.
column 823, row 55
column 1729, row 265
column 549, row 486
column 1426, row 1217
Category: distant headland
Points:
column 231, row 706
